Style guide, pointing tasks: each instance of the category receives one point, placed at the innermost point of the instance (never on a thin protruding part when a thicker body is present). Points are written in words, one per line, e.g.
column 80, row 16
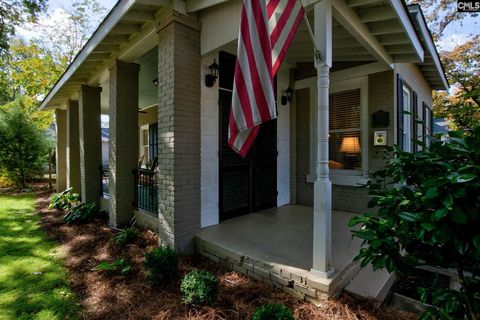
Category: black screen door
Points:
column 246, row 184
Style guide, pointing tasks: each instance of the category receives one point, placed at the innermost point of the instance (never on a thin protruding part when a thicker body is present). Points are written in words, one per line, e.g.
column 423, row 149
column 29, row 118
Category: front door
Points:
column 246, row 184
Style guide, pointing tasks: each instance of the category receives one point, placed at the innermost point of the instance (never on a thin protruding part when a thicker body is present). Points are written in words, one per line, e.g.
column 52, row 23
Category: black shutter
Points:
column 153, row 142
column 414, row 122
column 399, row 111
column 430, row 113
column 424, row 121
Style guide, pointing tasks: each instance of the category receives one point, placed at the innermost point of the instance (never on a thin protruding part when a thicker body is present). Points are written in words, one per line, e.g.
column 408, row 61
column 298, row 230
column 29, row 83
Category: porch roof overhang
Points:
column 384, row 27
column 128, row 31
column 431, row 66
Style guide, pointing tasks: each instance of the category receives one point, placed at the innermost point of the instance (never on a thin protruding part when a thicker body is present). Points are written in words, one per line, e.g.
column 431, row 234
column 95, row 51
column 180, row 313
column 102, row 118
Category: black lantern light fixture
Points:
column 213, row 75
column 286, row 96
column 155, row 82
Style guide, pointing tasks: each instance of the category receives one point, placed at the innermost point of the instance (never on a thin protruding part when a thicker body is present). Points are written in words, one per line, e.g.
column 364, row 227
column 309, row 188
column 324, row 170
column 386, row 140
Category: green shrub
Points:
column 199, row 288
column 161, row 265
column 81, row 213
column 274, row 311
column 426, row 209
column 64, row 200
column 126, row 235
column 117, row 266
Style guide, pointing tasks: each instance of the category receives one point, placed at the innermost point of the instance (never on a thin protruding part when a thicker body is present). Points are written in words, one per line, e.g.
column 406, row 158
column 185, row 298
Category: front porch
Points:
column 276, row 246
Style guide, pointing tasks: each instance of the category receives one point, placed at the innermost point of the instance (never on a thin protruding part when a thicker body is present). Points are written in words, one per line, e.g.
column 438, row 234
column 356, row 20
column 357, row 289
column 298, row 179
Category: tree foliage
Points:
column 65, row 35
column 440, row 14
column 462, row 66
column 23, row 145
column 14, row 13
column 428, row 213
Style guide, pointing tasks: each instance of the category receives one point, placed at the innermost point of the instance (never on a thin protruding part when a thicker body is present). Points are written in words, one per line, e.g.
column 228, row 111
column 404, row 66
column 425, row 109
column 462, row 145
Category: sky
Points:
column 455, row 34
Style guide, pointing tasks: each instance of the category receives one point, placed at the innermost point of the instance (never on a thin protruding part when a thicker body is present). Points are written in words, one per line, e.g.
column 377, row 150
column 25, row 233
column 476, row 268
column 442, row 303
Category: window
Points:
column 345, row 130
column 348, row 122
column 407, row 119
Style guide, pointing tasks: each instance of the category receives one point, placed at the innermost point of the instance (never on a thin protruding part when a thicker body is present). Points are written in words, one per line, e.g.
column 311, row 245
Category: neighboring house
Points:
column 104, row 133
column 280, row 214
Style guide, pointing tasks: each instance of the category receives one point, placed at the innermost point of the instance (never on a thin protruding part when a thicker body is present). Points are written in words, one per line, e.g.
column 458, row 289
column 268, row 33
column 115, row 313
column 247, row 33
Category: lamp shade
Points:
column 350, row 145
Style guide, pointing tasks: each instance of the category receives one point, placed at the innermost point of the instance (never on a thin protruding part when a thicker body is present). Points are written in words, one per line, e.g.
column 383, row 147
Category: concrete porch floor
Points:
column 279, row 241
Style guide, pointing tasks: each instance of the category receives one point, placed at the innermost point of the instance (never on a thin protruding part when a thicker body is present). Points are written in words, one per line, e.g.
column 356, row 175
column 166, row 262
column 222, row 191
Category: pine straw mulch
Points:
column 103, row 296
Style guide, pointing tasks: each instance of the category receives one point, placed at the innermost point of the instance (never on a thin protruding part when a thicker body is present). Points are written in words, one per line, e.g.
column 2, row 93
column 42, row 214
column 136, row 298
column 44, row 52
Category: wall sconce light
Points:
column 155, row 82
column 286, row 96
column 213, row 75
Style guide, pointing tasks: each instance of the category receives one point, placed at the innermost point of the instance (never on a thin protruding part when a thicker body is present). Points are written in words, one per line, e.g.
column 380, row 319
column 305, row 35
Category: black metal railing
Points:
column 104, row 171
column 146, row 190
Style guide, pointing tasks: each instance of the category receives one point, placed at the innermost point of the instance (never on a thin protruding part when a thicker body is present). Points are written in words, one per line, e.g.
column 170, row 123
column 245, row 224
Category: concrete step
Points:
column 371, row 284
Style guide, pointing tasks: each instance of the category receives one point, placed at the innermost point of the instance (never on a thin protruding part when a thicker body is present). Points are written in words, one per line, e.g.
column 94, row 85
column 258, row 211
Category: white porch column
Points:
column 322, row 197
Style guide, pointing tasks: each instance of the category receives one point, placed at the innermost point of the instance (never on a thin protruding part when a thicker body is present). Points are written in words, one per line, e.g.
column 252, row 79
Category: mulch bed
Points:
column 106, row 296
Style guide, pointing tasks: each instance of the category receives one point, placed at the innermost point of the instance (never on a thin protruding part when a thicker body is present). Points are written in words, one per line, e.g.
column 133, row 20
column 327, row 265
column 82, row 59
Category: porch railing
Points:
column 146, row 190
column 104, row 173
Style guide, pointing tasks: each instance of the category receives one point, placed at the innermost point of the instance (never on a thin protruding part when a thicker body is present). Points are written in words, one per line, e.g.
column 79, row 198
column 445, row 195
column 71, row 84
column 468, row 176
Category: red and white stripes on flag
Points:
column 267, row 28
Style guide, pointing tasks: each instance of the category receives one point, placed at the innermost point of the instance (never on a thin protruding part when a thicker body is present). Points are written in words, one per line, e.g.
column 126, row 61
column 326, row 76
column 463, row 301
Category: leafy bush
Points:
column 117, row 266
column 199, row 288
column 161, row 265
column 428, row 213
column 273, row 311
column 64, row 200
column 81, row 213
column 126, row 235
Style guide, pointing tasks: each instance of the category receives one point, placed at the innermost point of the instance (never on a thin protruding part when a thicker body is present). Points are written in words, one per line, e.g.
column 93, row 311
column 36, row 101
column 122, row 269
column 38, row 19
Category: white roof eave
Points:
column 102, row 31
column 430, row 44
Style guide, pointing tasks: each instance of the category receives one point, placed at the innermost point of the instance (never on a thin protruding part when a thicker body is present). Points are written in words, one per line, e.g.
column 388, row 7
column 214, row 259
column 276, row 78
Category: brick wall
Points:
column 297, row 282
column 90, row 143
column 179, row 130
column 61, row 149
column 73, row 147
column 123, row 153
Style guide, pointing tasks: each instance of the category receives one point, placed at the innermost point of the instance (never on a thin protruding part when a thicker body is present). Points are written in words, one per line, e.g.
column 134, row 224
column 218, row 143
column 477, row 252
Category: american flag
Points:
column 267, row 28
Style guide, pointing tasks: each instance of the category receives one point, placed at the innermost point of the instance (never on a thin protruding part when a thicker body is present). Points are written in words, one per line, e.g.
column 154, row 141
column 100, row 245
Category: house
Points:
column 280, row 214
column 104, row 136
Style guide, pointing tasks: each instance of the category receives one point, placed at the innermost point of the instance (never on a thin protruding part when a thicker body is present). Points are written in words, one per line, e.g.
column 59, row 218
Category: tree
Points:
column 462, row 67
column 29, row 73
column 440, row 14
column 65, row 35
column 23, row 145
column 14, row 13
column 428, row 213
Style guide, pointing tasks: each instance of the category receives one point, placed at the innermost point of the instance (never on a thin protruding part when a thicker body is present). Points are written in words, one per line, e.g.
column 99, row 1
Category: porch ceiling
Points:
column 386, row 36
column 389, row 22
column 345, row 46
column 127, row 32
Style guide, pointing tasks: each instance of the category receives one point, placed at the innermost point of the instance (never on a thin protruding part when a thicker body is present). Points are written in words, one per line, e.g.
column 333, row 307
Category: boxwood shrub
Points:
column 199, row 287
column 161, row 265
column 273, row 311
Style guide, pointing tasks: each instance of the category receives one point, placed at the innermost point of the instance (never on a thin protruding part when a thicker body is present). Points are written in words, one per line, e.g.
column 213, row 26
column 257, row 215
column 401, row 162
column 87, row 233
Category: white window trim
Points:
column 407, row 120
column 339, row 176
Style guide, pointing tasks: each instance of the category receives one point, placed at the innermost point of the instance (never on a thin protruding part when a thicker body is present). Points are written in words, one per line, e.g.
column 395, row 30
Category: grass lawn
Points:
column 33, row 281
